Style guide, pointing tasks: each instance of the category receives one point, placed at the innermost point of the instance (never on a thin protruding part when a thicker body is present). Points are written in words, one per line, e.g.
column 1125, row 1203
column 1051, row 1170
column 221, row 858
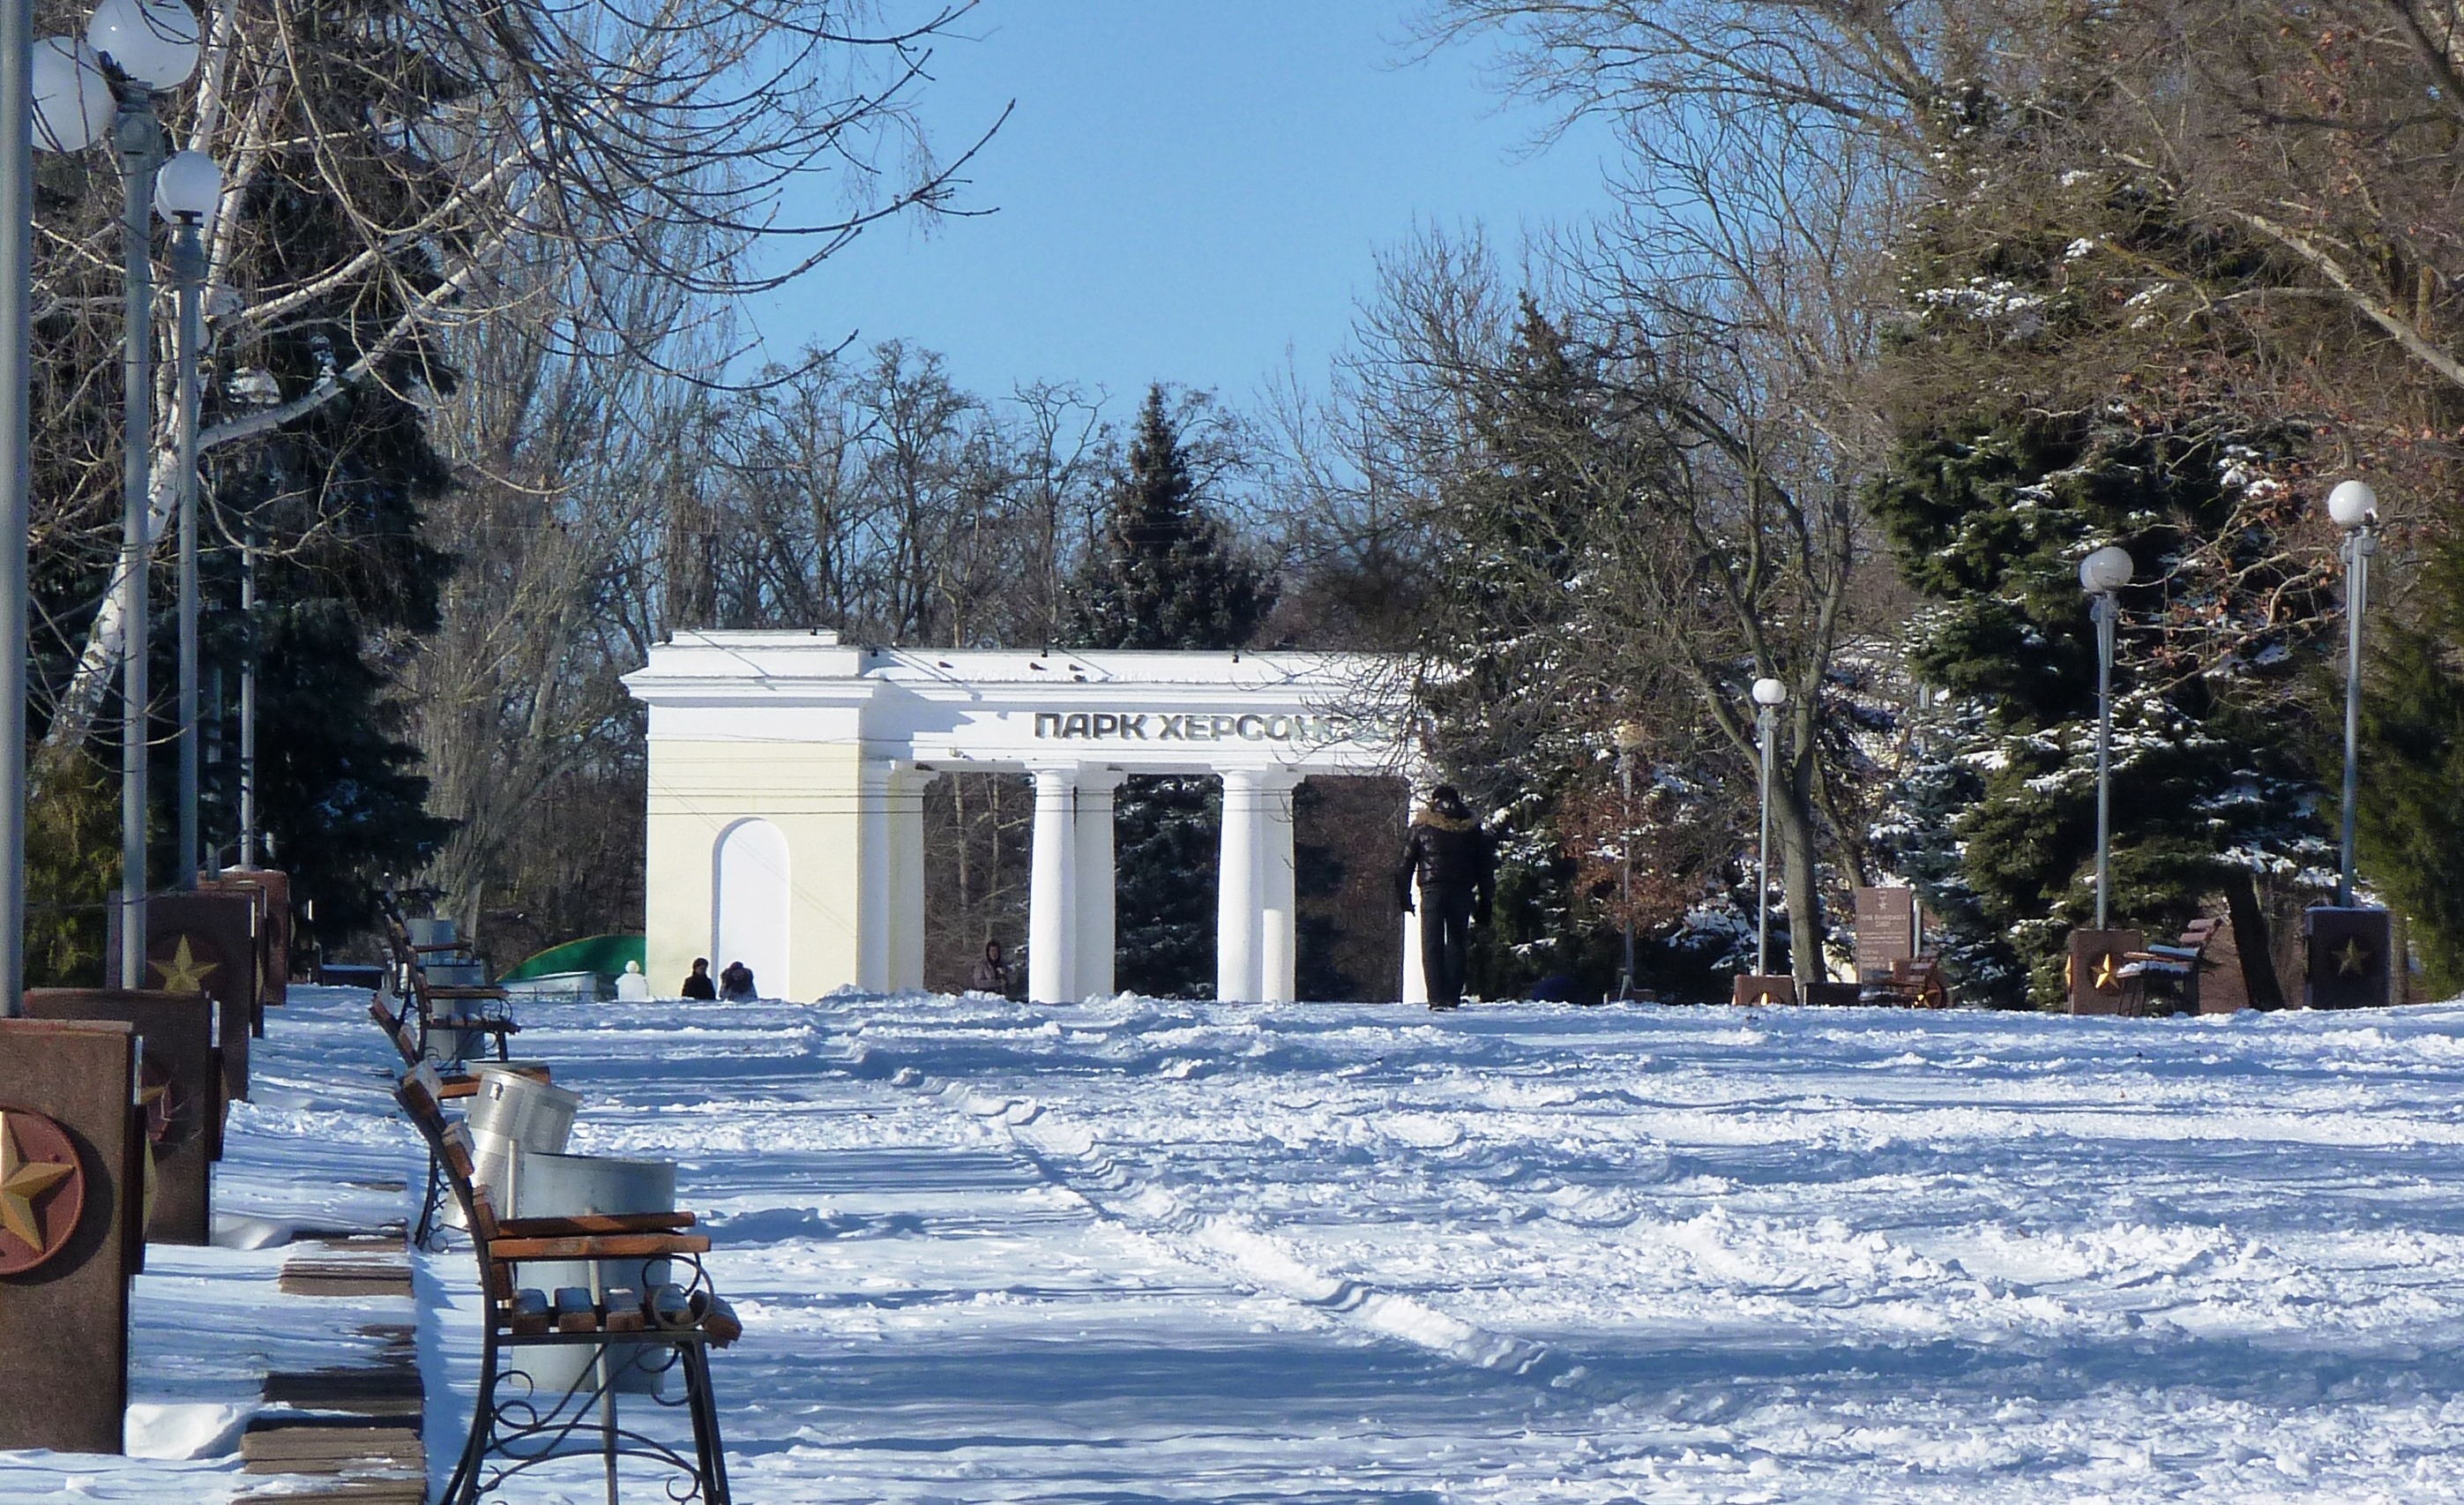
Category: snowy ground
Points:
column 1137, row 1250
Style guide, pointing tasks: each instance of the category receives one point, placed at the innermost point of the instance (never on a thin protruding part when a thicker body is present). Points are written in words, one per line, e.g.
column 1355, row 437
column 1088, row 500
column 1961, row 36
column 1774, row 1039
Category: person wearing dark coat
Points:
column 698, row 984
column 1457, row 868
column 736, row 984
column 992, row 973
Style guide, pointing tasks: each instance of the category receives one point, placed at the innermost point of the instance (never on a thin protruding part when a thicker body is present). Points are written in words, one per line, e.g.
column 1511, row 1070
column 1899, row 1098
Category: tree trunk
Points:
column 1792, row 831
column 2251, row 941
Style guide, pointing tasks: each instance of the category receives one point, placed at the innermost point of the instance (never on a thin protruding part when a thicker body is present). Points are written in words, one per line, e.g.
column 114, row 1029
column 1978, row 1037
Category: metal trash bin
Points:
column 442, row 967
column 510, row 1110
column 550, row 1186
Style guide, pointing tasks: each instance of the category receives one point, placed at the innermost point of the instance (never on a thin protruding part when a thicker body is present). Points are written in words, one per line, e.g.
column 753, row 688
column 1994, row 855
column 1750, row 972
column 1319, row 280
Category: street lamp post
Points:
column 1768, row 693
column 247, row 698
column 2102, row 574
column 1629, row 741
column 186, row 190
column 2355, row 508
column 135, row 48
column 16, row 431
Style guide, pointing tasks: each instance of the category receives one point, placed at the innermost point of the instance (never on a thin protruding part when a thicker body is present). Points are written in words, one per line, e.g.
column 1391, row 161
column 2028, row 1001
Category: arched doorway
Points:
column 750, row 920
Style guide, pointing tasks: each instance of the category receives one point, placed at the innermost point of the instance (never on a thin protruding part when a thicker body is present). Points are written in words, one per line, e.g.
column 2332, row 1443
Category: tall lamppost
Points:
column 2102, row 574
column 16, row 481
column 137, row 48
column 247, row 698
column 1768, row 693
column 2355, row 509
column 186, row 190
column 1629, row 741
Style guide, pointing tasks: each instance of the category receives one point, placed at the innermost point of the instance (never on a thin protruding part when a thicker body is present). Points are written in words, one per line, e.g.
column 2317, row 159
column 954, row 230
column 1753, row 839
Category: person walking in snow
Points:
column 1456, row 869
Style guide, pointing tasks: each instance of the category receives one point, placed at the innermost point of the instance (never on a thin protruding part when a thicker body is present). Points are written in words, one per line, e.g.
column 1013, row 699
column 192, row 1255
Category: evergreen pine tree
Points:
column 1523, row 518
column 1165, row 577
column 1989, row 519
column 2411, row 824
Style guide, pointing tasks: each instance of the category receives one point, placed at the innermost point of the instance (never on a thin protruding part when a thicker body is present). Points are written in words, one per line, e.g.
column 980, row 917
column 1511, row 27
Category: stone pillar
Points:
column 1052, row 892
column 907, row 880
column 1096, row 936
column 1278, row 908
column 1238, row 890
column 874, row 869
column 1416, row 983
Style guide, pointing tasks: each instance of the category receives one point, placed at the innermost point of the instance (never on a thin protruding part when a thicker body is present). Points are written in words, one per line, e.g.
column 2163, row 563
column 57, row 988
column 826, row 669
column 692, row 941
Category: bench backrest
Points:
column 420, row 1094
column 399, row 1028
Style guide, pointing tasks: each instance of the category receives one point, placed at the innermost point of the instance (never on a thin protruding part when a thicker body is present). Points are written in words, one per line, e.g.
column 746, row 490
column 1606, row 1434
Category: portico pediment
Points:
column 1015, row 709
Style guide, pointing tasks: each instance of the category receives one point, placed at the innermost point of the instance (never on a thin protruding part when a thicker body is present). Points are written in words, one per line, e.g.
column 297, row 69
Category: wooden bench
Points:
column 516, row 1426
column 1915, row 983
column 450, row 1087
column 2172, row 971
column 477, row 1009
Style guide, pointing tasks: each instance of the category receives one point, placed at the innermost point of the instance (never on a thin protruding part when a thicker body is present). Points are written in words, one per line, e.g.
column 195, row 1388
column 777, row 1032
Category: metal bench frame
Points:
column 515, row 1428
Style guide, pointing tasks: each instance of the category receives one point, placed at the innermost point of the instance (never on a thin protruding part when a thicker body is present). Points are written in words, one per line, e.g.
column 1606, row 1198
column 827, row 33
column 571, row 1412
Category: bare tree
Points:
column 560, row 455
column 399, row 173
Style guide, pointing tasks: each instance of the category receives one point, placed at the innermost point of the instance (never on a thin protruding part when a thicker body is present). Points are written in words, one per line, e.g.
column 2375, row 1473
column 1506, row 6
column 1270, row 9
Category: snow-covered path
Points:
column 1137, row 1251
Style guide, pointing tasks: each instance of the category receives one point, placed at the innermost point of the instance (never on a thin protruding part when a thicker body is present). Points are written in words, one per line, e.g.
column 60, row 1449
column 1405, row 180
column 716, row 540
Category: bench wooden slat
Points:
column 576, row 1310
column 670, row 1307
column 527, row 1314
column 584, row 1224
column 624, row 1311
column 719, row 1320
column 602, row 1246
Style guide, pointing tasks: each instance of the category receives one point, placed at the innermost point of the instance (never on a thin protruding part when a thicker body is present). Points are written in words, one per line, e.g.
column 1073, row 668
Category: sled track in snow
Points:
column 1071, row 1158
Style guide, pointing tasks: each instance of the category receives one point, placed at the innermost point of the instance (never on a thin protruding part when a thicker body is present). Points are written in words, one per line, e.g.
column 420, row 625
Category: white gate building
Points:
column 787, row 773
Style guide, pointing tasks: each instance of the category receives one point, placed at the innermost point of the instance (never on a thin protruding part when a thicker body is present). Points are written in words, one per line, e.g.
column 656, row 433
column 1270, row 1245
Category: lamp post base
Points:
column 1762, row 990
column 2095, row 973
column 2348, row 956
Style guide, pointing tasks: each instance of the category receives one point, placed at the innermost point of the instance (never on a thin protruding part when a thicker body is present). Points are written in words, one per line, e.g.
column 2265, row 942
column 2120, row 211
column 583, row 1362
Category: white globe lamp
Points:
column 1770, row 691
column 72, row 100
column 2353, row 504
column 189, row 187
column 2105, row 572
column 152, row 41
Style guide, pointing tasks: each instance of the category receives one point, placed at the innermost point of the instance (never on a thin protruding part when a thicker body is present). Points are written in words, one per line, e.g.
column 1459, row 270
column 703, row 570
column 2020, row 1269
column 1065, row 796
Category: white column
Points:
column 1236, row 891
column 874, row 869
column 1096, row 938
column 1416, row 983
column 907, row 880
column 1051, row 925
column 1278, row 900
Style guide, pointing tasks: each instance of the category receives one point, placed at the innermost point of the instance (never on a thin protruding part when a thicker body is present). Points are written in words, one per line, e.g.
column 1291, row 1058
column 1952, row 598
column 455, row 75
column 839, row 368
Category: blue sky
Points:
column 1186, row 191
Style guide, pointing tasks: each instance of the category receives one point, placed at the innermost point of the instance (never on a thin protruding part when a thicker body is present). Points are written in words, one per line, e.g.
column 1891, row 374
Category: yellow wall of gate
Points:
column 701, row 791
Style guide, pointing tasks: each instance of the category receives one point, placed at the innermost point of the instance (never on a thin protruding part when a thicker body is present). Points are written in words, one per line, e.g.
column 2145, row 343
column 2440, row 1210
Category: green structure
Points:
column 604, row 955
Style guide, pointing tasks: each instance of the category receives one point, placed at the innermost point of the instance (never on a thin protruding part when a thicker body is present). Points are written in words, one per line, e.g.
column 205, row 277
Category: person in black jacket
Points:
column 698, row 984
column 1456, row 869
